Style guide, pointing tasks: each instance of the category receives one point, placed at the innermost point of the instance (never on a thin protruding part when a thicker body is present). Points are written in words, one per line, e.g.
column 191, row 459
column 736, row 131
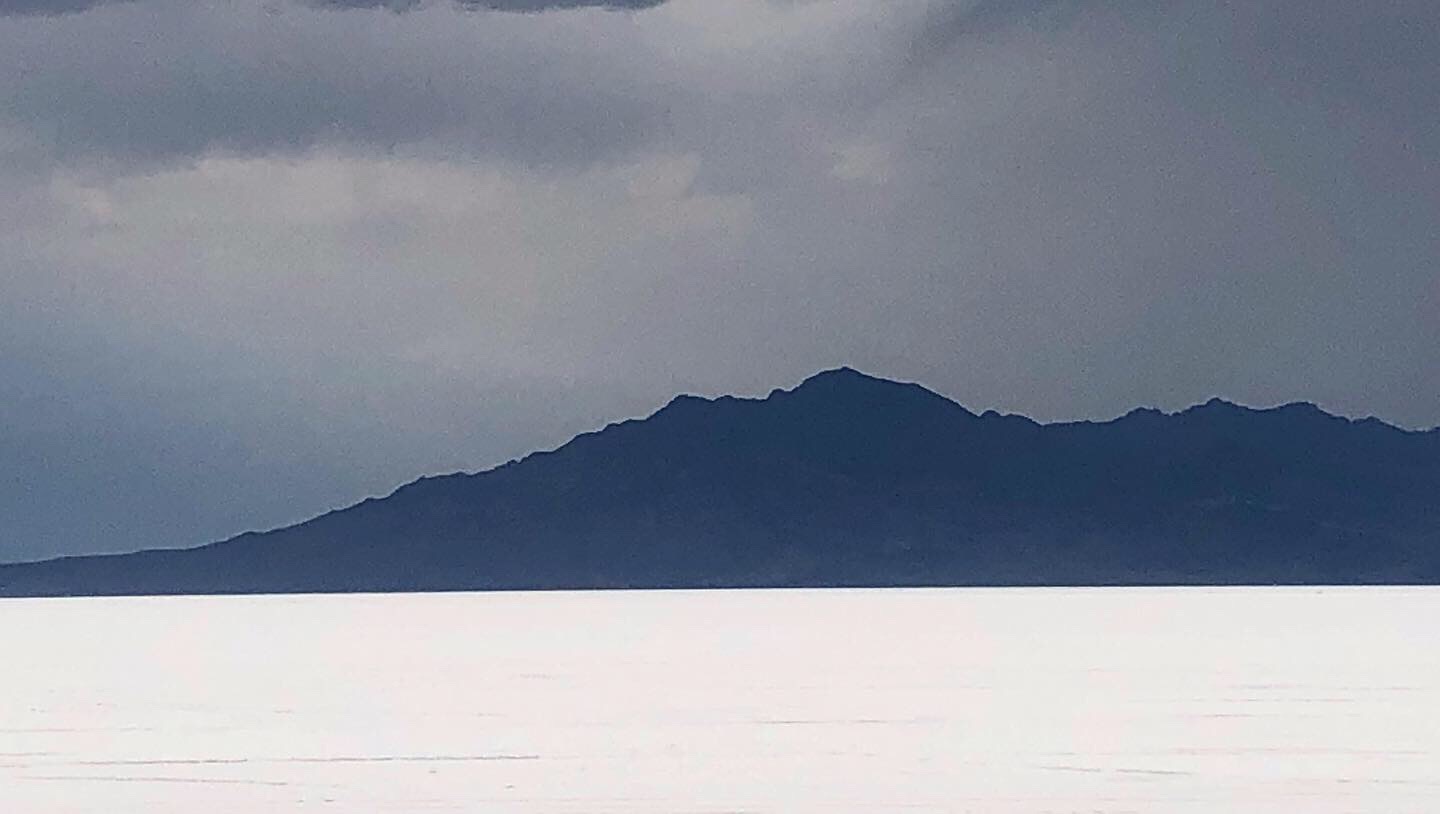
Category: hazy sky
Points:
column 261, row 259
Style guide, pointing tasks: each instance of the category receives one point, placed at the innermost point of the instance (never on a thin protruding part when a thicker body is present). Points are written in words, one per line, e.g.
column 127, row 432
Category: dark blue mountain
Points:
column 857, row 481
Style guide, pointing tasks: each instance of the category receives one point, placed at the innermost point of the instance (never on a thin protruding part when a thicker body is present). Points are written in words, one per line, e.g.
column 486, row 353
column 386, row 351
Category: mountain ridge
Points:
column 848, row 478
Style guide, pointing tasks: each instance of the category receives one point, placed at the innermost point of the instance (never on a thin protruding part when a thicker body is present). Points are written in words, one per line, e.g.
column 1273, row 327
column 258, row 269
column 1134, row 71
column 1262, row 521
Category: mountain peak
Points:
column 862, row 391
column 844, row 373
column 1214, row 406
column 848, row 379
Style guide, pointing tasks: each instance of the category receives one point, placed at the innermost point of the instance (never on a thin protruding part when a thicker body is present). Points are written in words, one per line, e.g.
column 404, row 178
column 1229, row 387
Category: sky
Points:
column 259, row 260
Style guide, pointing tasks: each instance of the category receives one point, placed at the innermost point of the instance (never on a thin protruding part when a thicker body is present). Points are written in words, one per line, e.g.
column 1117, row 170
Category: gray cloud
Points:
column 53, row 7
column 169, row 79
column 260, row 260
column 522, row 6
column 50, row 7
column 950, row 23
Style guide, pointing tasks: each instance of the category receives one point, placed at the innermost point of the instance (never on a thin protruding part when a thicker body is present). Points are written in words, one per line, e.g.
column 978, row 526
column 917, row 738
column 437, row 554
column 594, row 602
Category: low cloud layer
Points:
column 167, row 79
column 521, row 6
column 52, row 7
column 265, row 259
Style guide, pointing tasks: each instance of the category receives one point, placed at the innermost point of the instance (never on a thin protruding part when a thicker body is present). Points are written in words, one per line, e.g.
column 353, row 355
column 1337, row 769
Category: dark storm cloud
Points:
column 171, row 80
column 522, row 6
column 43, row 7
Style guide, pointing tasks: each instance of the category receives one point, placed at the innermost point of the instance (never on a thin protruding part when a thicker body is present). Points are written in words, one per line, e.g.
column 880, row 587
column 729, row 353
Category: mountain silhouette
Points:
column 850, row 480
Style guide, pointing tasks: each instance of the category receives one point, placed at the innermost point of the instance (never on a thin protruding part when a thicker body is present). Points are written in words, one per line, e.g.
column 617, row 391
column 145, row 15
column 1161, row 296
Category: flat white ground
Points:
column 1282, row 700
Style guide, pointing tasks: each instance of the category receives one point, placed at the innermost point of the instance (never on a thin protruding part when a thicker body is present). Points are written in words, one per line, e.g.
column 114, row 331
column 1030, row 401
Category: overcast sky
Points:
column 262, row 259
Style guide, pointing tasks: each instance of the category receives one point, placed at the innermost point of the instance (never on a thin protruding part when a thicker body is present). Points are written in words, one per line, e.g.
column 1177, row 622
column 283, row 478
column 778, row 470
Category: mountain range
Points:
column 851, row 480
